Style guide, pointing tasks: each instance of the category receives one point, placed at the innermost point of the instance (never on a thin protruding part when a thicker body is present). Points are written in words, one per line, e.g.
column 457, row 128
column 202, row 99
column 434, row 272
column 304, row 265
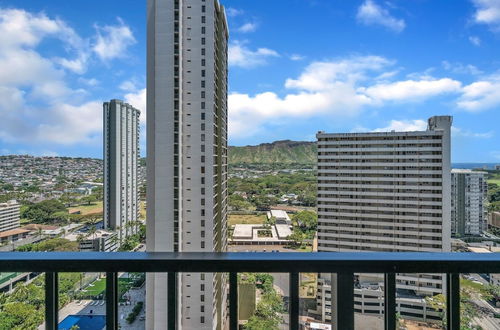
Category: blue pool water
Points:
column 84, row 322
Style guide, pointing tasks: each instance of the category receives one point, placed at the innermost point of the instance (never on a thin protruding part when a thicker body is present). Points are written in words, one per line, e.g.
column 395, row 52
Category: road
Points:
column 16, row 244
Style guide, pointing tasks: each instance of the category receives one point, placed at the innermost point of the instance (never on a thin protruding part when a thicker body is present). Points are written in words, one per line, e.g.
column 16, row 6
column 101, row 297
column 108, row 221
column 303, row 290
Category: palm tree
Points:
column 92, row 231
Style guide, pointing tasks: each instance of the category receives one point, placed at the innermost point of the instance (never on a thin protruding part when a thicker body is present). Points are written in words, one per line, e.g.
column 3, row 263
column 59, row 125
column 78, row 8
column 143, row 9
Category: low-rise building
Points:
column 100, row 241
column 281, row 217
column 244, row 234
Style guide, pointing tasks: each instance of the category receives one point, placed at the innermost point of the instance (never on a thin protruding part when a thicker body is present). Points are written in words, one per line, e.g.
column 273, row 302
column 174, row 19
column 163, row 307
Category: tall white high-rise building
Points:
column 385, row 192
column 187, row 154
column 121, row 158
column 469, row 191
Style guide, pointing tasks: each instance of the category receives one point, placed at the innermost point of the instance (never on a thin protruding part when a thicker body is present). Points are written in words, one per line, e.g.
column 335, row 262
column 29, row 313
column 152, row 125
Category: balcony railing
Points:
column 344, row 264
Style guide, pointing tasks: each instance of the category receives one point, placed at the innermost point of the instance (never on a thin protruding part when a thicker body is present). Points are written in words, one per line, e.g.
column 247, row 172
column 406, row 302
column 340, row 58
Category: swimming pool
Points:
column 84, row 322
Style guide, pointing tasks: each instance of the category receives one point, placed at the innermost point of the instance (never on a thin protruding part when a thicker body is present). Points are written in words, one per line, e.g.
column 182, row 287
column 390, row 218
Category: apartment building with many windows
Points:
column 385, row 191
column 469, row 190
column 121, row 158
column 187, row 154
column 9, row 215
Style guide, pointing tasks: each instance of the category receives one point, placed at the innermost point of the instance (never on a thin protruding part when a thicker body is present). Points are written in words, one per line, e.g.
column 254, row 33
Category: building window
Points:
column 203, row 73
column 203, row 62
column 203, row 30
column 203, row 19
column 203, row 51
column 202, row 41
column 202, row 319
column 203, row 8
column 202, row 245
column 203, row 114
column 203, row 84
column 202, row 287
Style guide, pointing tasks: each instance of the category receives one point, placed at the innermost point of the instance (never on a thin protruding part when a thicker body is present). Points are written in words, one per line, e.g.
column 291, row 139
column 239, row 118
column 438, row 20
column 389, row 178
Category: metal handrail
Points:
column 345, row 264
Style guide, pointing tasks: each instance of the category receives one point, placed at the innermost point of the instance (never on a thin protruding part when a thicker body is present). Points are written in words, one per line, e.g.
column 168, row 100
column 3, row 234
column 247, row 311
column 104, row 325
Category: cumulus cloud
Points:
column 247, row 27
column 404, row 126
column 346, row 87
column 411, row 90
column 137, row 99
column 487, row 12
column 112, row 41
column 370, row 13
column 411, row 125
column 481, row 95
column 242, row 56
column 340, row 87
column 37, row 103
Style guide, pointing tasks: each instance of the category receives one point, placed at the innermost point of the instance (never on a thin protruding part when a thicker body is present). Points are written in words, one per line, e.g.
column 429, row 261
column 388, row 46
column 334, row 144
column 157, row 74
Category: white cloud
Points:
column 323, row 88
column 370, row 13
column 138, row 100
column 411, row 90
column 112, row 41
column 404, row 126
column 247, row 27
column 487, row 12
column 36, row 103
column 241, row 56
column 461, row 68
column 232, row 12
column 481, row 95
column 297, row 57
column 411, row 125
column 345, row 87
column 476, row 41
column 128, row 86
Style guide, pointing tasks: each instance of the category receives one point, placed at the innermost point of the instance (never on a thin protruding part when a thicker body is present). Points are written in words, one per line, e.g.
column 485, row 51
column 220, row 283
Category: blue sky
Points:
column 296, row 67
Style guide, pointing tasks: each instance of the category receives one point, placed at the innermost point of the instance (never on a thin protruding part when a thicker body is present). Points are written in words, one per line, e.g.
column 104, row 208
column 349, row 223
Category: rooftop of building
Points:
column 12, row 202
column 13, row 232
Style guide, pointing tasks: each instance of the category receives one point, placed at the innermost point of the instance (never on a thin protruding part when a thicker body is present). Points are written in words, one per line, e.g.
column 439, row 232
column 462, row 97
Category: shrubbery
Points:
column 135, row 312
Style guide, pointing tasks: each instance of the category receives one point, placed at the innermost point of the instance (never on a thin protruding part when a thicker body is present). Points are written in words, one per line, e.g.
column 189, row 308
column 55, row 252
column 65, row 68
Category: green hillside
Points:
column 284, row 152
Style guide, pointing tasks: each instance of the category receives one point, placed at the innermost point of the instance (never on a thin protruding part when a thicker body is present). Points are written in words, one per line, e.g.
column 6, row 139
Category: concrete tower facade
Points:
column 386, row 192
column 469, row 192
column 121, row 159
column 187, row 154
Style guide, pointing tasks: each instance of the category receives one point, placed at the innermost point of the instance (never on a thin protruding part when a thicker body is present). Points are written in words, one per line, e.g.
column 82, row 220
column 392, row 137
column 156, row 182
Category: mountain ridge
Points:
column 281, row 151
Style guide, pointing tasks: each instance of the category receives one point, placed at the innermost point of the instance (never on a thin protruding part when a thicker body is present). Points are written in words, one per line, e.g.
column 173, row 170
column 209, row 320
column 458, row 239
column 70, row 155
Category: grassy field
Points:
column 98, row 287
column 87, row 209
column 495, row 181
column 249, row 219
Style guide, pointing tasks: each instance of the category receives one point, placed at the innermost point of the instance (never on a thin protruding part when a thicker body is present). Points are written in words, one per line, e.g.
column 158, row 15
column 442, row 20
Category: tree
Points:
column 297, row 237
column 46, row 210
column 307, row 219
column 89, row 199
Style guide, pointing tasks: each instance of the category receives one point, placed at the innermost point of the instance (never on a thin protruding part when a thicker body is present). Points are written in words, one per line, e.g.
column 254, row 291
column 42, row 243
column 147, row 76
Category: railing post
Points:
column 345, row 301
column 233, row 301
column 172, row 301
column 294, row 300
column 453, row 301
column 51, row 301
column 111, row 301
column 390, row 301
